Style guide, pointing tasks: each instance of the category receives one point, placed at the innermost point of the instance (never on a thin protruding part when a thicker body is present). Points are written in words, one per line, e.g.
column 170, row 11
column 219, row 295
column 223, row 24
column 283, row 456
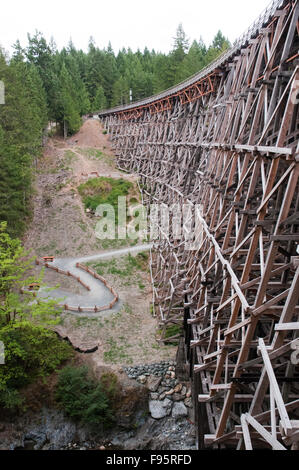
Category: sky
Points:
column 128, row 23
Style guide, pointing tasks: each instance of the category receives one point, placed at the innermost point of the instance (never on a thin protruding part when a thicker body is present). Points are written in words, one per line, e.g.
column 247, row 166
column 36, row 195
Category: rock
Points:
column 39, row 438
column 179, row 410
column 153, row 383
column 177, row 397
column 184, row 391
column 132, row 401
column 178, row 388
column 160, row 409
column 142, row 379
column 162, row 396
column 155, row 396
column 188, row 402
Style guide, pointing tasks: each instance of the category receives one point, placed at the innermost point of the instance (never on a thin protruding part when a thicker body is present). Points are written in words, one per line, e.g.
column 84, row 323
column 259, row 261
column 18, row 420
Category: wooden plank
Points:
column 237, row 327
column 287, row 326
column 274, row 443
column 270, row 303
column 273, row 382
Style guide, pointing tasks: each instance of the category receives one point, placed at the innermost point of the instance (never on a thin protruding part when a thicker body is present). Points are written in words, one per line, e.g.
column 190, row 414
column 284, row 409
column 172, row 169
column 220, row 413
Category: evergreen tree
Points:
column 40, row 54
column 220, row 42
column 193, row 62
column 22, row 121
column 178, row 54
column 181, row 44
column 68, row 106
column 120, row 92
column 219, row 45
column 100, row 101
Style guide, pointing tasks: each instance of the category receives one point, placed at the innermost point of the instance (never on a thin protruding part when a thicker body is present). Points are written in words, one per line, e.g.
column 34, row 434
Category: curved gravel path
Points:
column 99, row 294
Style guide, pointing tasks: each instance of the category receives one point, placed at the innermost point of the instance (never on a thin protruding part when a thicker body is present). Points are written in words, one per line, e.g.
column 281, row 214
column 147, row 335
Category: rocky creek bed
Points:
column 155, row 413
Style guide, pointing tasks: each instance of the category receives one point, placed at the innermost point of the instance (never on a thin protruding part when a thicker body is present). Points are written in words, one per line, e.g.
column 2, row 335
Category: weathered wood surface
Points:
column 227, row 141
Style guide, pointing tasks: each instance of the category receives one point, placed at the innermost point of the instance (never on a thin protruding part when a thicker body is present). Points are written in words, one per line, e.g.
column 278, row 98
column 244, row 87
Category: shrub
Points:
column 103, row 190
column 82, row 398
column 173, row 330
column 30, row 352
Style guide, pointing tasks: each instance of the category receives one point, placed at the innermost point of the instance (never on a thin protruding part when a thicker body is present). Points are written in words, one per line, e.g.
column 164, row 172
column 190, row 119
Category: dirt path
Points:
column 61, row 227
column 98, row 294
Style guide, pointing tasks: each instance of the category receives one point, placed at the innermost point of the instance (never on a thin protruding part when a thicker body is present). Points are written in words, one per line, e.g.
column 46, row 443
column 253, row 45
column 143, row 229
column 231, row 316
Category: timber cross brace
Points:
column 227, row 140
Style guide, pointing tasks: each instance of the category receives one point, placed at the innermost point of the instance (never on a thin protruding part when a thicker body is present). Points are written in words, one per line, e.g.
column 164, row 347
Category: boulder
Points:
column 188, row 402
column 142, row 379
column 179, row 410
column 178, row 388
column 177, row 397
column 153, row 383
column 154, row 396
column 160, row 409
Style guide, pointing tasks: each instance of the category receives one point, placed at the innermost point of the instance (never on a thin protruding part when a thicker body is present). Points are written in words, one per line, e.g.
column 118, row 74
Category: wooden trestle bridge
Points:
column 226, row 140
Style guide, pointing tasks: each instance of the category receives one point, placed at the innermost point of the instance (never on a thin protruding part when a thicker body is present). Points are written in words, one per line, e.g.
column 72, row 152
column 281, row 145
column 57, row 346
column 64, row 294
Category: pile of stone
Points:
column 158, row 369
column 168, row 396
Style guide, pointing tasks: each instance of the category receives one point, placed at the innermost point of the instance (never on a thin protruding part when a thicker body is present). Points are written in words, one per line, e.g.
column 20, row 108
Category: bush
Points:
column 173, row 330
column 103, row 190
column 83, row 398
column 30, row 352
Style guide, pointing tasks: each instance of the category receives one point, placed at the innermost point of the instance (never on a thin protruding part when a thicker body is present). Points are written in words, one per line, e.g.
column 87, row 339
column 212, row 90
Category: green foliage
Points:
column 120, row 92
column 172, row 330
column 103, row 190
column 84, row 399
column 13, row 263
column 99, row 78
column 14, row 267
column 100, row 101
column 69, row 111
column 30, row 352
column 125, row 266
column 22, row 121
column 109, row 382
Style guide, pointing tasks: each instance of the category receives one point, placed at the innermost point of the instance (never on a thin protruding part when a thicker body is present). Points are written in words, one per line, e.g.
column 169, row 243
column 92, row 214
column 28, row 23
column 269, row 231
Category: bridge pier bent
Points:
column 224, row 145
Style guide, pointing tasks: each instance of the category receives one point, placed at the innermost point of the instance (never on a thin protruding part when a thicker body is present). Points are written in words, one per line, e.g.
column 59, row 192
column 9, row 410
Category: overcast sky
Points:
column 126, row 23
